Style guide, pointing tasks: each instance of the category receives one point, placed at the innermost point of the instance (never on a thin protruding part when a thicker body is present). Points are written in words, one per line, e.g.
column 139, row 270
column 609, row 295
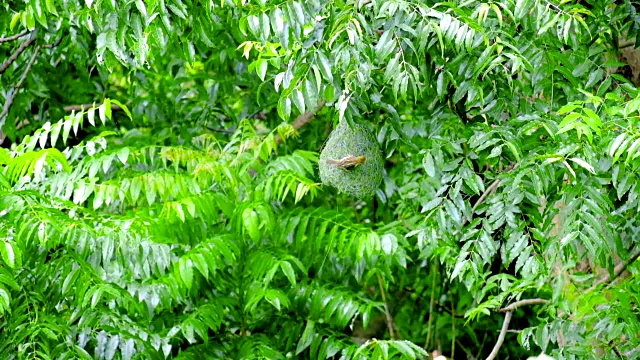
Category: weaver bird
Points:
column 348, row 162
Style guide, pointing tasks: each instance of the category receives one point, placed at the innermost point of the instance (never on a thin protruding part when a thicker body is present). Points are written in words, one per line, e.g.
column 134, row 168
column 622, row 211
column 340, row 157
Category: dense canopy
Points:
column 161, row 197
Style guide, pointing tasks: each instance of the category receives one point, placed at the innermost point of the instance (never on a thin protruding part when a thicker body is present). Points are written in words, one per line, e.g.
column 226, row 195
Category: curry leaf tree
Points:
column 159, row 192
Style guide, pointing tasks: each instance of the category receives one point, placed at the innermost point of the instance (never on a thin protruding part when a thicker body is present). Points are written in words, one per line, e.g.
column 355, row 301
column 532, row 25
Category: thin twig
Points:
column 494, row 185
column 617, row 271
column 453, row 328
column 615, row 349
column 432, row 304
column 492, row 188
column 302, row 120
column 517, row 304
column 632, row 352
column 18, row 51
column 19, row 126
column 481, row 347
column 68, row 108
column 53, row 44
column 489, row 190
column 466, row 351
column 503, row 332
column 9, row 101
column 14, row 37
column 219, row 130
column 387, row 313
column 81, row 107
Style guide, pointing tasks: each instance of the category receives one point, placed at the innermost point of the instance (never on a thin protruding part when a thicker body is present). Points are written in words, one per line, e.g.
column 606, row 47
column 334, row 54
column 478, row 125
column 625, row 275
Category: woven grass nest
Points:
column 350, row 142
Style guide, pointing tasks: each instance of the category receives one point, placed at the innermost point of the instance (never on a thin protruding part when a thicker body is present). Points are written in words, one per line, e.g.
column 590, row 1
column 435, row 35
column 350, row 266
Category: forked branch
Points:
column 12, row 95
column 18, row 51
column 507, row 319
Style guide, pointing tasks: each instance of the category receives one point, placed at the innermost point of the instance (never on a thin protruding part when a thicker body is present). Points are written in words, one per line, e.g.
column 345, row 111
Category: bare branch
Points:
column 517, row 304
column 13, row 93
column 18, row 51
column 14, row 37
column 503, row 332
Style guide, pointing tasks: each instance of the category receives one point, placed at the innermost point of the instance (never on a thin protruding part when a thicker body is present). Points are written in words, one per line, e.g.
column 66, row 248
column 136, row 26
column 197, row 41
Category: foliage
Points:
column 159, row 195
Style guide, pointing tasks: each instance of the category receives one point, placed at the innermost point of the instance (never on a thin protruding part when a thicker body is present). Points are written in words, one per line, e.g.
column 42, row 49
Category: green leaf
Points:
column 583, row 164
column 51, row 7
column 440, row 84
column 251, row 223
column 284, row 108
column 298, row 101
column 10, row 254
column 14, row 20
column 261, row 68
column 389, row 243
column 306, row 338
column 616, row 143
column 522, row 8
column 288, row 271
column 404, row 348
column 185, row 268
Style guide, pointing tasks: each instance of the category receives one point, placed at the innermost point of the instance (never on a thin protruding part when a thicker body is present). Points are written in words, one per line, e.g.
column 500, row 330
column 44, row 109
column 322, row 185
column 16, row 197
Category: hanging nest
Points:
column 351, row 161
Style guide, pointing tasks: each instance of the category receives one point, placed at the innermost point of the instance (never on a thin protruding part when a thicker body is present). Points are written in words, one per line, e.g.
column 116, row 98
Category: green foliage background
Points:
column 178, row 212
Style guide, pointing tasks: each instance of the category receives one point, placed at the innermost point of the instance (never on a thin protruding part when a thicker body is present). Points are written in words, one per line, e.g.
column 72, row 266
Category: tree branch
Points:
column 53, row 44
column 503, row 332
column 302, row 120
column 432, row 301
column 14, row 37
column 489, row 190
column 507, row 318
column 18, row 51
column 68, row 108
column 517, row 304
column 80, row 107
column 617, row 271
column 13, row 93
